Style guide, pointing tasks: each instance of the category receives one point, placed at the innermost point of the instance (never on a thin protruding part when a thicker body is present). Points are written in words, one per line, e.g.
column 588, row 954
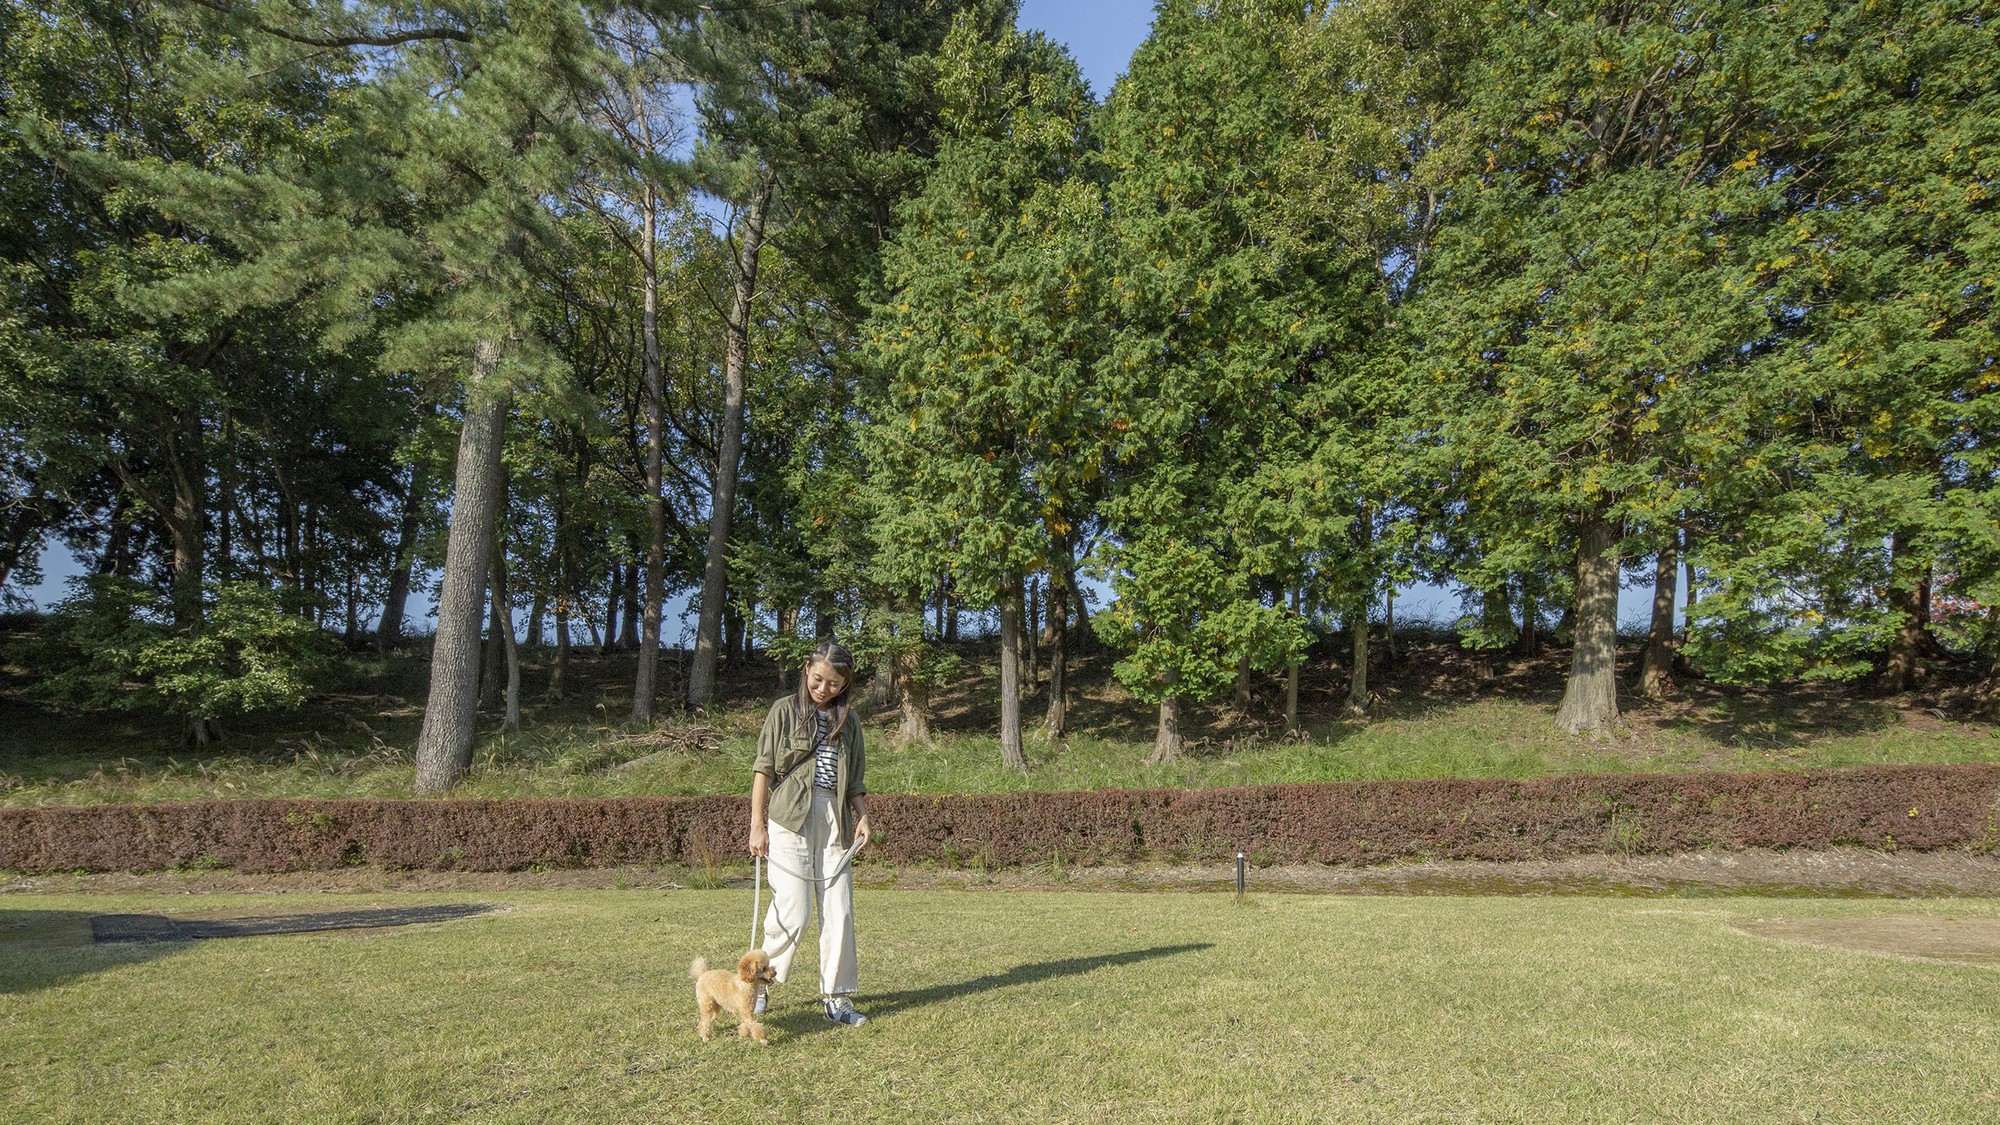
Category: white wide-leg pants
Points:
column 812, row 855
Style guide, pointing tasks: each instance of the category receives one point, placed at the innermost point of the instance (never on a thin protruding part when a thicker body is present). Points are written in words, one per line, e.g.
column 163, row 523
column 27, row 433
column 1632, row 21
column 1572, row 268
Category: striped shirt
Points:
column 825, row 766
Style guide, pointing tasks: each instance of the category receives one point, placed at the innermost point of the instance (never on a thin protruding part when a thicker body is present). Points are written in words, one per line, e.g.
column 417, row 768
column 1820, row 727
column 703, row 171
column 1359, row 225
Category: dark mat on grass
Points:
column 157, row 927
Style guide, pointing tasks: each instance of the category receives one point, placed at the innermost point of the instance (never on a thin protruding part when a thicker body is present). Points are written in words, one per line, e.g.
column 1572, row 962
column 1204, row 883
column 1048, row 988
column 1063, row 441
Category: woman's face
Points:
column 823, row 682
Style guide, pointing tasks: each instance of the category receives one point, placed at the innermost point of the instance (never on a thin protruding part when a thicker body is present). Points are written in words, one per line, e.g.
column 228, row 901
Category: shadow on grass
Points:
column 143, row 928
column 810, row 1020
column 44, row 948
column 1770, row 720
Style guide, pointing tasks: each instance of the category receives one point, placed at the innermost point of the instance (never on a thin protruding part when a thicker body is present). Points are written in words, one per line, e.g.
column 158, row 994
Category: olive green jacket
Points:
column 784, row 752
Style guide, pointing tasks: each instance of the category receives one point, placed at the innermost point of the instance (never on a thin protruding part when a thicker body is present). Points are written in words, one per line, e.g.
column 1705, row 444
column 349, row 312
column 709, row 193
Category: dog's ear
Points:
column 753, row 963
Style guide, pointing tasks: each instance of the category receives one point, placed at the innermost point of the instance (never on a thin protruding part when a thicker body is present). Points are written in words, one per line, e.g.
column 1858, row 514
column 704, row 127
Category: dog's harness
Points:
column 757, row 899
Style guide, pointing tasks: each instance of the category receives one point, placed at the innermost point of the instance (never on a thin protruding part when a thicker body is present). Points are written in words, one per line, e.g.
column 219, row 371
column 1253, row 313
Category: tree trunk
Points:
column 538, row 610
column 1909, row 582
column 503, row 625
column 1292, row 674
column 1989, row 691
column 559, row 667
column 389, row 630
column 1031, row 631
column 492, row 659
column 184, row 522
column 26, row 522
column 1079, row 606
column 788, row 620
column 352, row 607
column 1590, row 702
column 733, row 629
column 1496, row 618
column 645, row 682
column 1389, row 626
column 1357, row 681
column 184, row 517
column 225, row 503
column 1055, row 720
column 444, row 746
column 1531, row 626
column 1010, row 674
column 614, row 593
column 916, row 725
column 117, row 557
column 1167, row 741
column 736, row 360
column 628, row 634
column 1656, row 672
column 1687, row 566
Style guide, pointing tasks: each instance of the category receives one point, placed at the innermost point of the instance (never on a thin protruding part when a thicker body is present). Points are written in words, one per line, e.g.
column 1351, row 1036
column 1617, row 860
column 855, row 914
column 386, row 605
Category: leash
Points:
column 757, row 899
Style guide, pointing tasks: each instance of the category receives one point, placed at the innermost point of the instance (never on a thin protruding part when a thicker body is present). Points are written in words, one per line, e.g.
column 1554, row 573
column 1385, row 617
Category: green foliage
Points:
column 1323, row 298
column 892, row 639
column 1184, row 623
column 1225, row 318
column 110, row 645
column 985, row 446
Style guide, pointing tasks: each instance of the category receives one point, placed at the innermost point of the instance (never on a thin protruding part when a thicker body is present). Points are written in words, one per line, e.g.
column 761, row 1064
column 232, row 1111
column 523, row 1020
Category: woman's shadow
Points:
column 889, row 1003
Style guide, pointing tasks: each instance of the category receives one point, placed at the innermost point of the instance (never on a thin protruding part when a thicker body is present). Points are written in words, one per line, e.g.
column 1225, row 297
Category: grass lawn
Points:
column 1433, row 719
column 1035, row 1006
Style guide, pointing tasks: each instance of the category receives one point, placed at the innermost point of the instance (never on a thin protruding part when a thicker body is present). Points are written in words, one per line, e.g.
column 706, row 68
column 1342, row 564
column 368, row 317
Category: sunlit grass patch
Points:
column 1003, row 1006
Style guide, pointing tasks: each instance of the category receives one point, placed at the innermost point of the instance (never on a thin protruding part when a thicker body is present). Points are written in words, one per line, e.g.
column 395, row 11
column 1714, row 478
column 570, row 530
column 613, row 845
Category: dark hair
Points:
column 840, row 660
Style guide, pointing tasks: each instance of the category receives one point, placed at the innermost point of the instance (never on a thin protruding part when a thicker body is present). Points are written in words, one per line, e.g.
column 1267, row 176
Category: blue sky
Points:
column 1100, row 34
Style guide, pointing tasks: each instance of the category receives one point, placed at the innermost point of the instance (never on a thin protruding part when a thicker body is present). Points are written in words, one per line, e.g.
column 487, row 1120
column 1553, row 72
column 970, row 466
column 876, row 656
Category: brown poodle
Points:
column 716, row 989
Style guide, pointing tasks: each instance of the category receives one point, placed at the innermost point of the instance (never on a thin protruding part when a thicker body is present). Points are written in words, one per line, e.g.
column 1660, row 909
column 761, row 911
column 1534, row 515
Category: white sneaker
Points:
column 763, row 1001
column 840, row 1010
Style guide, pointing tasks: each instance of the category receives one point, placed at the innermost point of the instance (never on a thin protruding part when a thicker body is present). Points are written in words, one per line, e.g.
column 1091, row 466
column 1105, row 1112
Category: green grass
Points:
column 1431, row 720
column 1044, row 1006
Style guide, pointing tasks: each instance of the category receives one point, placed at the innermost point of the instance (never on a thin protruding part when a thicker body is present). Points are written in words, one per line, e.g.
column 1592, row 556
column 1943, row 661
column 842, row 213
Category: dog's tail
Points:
column 699, row 967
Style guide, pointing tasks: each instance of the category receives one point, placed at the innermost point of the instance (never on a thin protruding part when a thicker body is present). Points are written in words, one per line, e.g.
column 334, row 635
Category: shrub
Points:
column 1921, row 808
column 109, row 645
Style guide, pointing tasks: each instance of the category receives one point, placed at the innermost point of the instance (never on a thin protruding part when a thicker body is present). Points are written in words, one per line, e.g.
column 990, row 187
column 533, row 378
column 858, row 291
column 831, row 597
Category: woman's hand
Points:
column 760, row 839
column 861, row 832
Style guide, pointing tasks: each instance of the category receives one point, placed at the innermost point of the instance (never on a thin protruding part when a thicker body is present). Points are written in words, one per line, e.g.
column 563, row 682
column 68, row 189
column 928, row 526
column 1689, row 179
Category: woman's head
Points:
column 827, row 678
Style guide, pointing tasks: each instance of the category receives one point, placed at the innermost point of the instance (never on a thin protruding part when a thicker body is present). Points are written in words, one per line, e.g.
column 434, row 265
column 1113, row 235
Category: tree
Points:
column 1372, row 87
column 1863, row 493
column 1590, row 311
column 830, row 108
column 635, row 106
column 986, row 339
column 1217, row 310
column 431, row 203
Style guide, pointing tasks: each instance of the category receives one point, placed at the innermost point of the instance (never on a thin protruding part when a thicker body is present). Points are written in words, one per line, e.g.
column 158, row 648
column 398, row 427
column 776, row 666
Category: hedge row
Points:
column 1923, row 808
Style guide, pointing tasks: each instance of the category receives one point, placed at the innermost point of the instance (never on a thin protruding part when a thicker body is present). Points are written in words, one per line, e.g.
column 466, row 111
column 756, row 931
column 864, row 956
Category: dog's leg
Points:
column 707, row 1008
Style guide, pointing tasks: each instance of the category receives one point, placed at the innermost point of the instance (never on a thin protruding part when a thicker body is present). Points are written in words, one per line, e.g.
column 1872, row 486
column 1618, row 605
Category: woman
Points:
column 807, row 811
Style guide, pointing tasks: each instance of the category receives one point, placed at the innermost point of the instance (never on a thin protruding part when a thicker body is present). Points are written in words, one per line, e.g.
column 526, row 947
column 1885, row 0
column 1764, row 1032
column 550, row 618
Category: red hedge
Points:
column 1921, row 808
